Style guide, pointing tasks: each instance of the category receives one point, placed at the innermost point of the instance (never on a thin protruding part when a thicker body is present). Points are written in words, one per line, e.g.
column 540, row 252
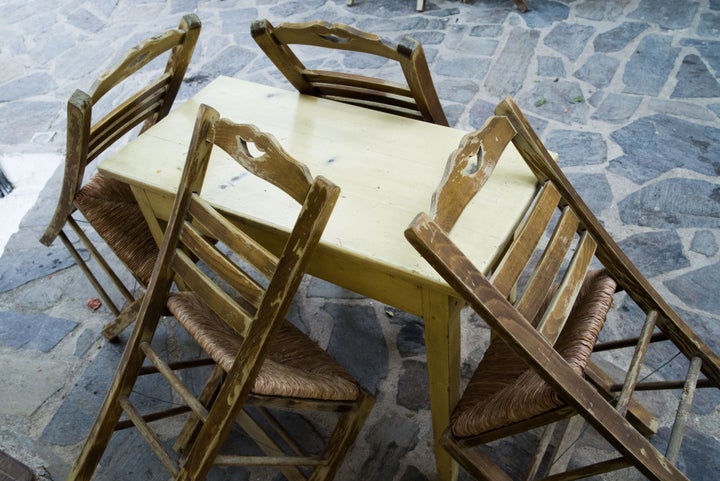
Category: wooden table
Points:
column 387, row 167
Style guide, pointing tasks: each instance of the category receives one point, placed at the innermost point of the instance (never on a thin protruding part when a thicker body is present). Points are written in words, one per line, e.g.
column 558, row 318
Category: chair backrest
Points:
column 88, row 137
column 555, row 245
column 417, row 99
column 247, row 286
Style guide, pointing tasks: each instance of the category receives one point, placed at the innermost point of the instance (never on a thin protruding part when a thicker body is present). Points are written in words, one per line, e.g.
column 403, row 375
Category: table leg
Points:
column 441, row 315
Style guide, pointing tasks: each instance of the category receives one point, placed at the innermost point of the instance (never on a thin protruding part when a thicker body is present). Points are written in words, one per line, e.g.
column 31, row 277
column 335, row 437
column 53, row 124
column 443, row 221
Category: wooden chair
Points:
column 109, row 205
column 416, row 100
column 546, row 299
column 233, row 303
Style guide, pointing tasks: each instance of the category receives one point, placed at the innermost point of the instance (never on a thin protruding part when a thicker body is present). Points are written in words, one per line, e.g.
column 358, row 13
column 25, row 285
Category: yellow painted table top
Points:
column 386, row 166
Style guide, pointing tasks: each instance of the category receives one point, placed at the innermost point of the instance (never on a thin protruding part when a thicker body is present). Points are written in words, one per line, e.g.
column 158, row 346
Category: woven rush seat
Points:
column 503, row 390
column 109, row 205
column 295, row 367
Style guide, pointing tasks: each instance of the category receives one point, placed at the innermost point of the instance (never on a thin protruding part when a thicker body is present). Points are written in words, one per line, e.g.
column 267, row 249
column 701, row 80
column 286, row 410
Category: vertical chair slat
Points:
column 562, row 302
column 549, row 265
column 523, row 246
column 245, row 285
column 223, row 304
column 127, row 115
column 238, row 241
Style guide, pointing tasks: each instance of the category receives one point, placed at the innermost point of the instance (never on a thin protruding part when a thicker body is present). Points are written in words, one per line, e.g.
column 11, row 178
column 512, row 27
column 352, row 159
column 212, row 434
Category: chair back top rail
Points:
column 275, row 41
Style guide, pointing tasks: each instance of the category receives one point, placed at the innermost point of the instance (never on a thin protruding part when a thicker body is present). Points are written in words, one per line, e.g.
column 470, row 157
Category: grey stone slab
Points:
column 655, row 253
column 550, row 67
column 457, row 90
column 619, row 37
column 390, row 438
column 460, row 67
column 693, row 288
column 673, row 204
column 617, row 107
column 125, row 445
column 704, row 242
column 453, row 112
column 668, row 14
column 576, row 148
column 87, row 339
column 594, row 189
column 714, row 4
column 700, row 454
column 507, row 74
column 707, row 329
column 429, row 37
column 709, row 25
column 413, row 391
column 491, row 31
column 480, row 112
column 411, row 340
column 320, row 288
column 715, row 108
column 28, row 381
column 681, row 109
column 598, row 70
column 709, row 51
column 544, row 13
column 107, row 7
column 651, row 63
column 494, row 13
column 86, row 20
column 17, row 267
column 34, row 84
column 596, row 98
column 19, row 11
column 600, row 10
column 484, row 47
column 228, row 62
column 50, row 47
column 238, row 20
column 398, row 27
column 32, row 331
column 434, row 10
column 562, row 101
column 21, row 120
column 656, row 144
column 358, row 344
column 412, row 473
column 695, row 80
column 569, row 39
column 183, row 6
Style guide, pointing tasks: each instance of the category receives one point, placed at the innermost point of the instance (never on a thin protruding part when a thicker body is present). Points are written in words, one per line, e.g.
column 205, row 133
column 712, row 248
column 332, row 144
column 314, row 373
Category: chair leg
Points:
column 192, row 425
column 342, row 438
column 111, row 410
column 475, row 462
column 112, row 330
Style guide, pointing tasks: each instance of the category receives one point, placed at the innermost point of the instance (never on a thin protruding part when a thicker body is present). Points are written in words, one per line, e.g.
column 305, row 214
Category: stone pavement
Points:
column 626, row 91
